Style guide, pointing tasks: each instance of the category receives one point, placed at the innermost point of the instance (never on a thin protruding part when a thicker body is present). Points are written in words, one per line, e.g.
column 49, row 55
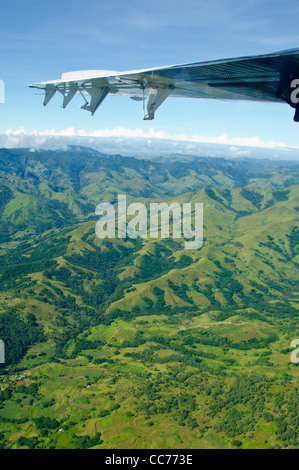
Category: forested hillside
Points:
column 142, row 343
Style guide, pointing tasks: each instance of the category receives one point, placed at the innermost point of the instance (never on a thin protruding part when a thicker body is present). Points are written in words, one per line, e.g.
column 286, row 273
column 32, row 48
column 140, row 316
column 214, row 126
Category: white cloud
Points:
column 21, row 137
column 239, row 153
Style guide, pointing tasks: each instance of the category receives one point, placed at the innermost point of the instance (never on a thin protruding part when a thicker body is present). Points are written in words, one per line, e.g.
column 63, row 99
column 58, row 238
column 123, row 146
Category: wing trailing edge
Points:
column 265, row 78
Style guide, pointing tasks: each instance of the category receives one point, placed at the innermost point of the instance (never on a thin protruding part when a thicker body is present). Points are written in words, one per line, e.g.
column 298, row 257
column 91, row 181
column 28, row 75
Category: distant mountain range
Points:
column 153, row 147
column 41, row 189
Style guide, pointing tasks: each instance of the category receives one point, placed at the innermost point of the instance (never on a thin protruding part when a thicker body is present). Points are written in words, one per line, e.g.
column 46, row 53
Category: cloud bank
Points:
column 21, row 134
column 140, row 142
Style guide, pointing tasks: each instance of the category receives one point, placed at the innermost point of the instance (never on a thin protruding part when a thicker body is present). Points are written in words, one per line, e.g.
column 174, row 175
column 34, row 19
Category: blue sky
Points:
column 40, row 40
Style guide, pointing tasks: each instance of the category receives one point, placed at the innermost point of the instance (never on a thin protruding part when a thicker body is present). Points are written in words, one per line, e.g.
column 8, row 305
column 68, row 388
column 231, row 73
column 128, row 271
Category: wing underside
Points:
column 266, row 78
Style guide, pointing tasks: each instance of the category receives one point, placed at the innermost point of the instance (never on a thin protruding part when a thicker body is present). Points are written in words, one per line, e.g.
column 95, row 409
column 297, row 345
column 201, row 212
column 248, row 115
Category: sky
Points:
column 41, row 40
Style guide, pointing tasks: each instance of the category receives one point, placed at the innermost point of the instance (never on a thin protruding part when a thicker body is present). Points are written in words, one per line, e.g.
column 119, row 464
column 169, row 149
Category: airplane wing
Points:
column 263, row 78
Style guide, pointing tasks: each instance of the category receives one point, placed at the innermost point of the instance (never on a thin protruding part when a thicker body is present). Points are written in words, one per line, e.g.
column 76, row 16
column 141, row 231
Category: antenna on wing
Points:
column 156, row 97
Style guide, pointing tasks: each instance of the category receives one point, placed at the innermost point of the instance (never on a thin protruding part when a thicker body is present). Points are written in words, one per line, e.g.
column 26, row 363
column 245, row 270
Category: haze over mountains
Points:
column 130, row 338
column 150, row 144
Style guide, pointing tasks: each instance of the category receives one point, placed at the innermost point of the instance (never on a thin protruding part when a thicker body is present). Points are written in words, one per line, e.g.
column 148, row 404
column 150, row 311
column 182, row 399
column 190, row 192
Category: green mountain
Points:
column 142, row 343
